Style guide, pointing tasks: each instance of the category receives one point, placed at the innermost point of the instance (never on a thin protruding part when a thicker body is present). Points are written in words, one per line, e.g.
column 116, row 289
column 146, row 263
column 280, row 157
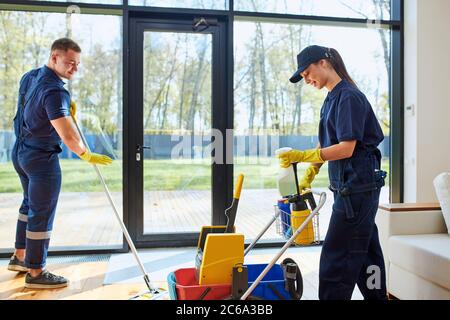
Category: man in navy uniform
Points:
column 43, row 121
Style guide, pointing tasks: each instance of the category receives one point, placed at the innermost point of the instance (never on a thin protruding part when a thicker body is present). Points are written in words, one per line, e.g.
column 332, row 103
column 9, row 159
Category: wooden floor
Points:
column 86, row 279
column 86, row 283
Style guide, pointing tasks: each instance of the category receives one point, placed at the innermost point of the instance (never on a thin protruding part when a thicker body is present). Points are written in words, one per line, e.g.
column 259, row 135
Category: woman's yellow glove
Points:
column 73, row 108
column 292, row 156
column 308, row 177
column 95, row 158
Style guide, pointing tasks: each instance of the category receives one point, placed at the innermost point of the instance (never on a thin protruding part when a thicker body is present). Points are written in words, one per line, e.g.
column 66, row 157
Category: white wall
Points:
column 427, row 87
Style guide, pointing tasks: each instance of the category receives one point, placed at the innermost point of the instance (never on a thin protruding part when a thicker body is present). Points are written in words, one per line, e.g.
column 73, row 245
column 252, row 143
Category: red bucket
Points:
column 187, row 287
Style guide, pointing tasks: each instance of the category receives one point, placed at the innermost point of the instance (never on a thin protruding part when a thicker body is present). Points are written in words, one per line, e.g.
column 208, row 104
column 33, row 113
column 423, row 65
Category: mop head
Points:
column 154, row 294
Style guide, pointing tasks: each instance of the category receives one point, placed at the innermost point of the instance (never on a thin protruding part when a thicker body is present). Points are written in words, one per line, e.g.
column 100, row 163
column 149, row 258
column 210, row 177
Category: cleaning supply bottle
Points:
column 299, row 213
column 285, row 215
column 286, row 179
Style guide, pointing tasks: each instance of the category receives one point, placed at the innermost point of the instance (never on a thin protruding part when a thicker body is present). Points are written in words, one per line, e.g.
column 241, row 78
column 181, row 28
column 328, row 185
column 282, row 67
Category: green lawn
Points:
column 164, row 175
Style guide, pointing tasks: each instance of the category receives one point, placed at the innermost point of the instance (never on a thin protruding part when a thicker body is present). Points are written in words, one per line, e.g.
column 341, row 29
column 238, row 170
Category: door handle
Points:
column 139, row 149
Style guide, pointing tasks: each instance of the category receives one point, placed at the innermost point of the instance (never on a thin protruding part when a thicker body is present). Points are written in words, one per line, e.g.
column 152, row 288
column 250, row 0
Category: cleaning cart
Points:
column 306, row 222
column 230, row 277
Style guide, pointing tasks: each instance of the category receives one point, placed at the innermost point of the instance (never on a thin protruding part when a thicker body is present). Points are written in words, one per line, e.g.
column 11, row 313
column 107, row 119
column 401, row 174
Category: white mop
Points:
column 152, row 293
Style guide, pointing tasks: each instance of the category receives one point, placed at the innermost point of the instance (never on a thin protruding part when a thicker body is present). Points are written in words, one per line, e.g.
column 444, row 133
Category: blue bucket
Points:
column 272, row 286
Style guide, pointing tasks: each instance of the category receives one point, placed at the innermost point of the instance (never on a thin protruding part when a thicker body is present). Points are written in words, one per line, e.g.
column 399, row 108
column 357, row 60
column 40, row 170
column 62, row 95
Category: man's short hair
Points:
column 65, row 44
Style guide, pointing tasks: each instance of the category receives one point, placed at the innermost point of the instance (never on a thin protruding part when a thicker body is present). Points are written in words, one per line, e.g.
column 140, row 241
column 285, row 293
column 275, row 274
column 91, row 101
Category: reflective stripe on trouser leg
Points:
column 33, row 235
column 37, row 245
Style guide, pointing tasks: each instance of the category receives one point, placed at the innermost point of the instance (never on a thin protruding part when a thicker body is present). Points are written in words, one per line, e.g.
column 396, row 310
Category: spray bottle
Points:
column 286, row 179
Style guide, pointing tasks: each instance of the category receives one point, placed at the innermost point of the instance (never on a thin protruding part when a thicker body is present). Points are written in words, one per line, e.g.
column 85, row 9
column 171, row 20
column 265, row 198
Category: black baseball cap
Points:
column 307, row 56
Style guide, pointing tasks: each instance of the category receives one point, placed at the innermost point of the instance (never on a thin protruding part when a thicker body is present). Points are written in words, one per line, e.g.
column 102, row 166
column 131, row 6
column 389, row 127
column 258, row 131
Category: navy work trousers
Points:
column 40, row 175
column 351, row 253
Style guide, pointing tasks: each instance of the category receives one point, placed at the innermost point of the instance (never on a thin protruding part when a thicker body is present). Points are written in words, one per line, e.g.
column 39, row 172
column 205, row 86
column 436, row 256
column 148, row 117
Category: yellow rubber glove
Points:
column 308, row 177
column 291, row 156
column 73, row 108
column 95, row 158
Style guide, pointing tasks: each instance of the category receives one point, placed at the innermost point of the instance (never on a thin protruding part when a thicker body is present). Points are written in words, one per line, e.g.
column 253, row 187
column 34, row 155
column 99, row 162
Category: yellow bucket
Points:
column 297, row 219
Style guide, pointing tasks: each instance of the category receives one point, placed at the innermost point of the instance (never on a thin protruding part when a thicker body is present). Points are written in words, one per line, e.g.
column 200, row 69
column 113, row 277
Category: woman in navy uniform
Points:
column 349, row 135
column 44, row 120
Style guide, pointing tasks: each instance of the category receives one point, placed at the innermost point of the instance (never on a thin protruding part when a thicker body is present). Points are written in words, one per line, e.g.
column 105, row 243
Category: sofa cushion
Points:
column 442, row 188
column 427, row 255
column 409, row 286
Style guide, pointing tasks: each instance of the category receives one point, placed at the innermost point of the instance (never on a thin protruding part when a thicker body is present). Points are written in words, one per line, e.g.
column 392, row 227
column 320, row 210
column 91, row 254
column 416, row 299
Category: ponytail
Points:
column 338, row 64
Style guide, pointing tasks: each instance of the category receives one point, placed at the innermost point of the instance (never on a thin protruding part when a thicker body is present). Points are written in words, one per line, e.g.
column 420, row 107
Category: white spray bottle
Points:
column 286, row 178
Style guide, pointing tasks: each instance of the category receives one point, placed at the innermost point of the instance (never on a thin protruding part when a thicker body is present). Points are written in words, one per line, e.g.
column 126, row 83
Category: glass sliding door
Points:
column 177, row 126
column 176, row 100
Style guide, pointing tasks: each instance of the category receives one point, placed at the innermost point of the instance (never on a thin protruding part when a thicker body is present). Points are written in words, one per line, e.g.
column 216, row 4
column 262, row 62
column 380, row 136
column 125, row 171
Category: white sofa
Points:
column 416, row 248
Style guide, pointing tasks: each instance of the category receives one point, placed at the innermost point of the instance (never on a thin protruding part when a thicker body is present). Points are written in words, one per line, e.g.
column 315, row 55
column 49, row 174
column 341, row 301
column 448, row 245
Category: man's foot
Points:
column 17, row 265
column 45, row 280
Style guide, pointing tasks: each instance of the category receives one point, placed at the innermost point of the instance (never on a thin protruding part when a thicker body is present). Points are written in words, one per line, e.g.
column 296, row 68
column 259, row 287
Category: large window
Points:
column 84, row 217
column 268, row 111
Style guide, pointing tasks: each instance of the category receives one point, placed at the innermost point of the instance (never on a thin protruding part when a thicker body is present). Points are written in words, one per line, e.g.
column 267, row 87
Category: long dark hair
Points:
column 339, row 66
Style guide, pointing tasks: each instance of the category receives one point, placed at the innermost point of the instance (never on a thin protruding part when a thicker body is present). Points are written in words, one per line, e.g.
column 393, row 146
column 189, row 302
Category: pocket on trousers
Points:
column 353, row 205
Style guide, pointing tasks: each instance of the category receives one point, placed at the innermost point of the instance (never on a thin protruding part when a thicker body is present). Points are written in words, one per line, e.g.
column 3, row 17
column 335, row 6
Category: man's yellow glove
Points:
column 73, row 108
column 292, row 156
column 95, row 158
column 308, row 177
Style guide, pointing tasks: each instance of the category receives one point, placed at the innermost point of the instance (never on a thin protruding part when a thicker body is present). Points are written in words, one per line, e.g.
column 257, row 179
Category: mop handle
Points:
column 111, row 201
column 251, row 245
column 240, row 181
